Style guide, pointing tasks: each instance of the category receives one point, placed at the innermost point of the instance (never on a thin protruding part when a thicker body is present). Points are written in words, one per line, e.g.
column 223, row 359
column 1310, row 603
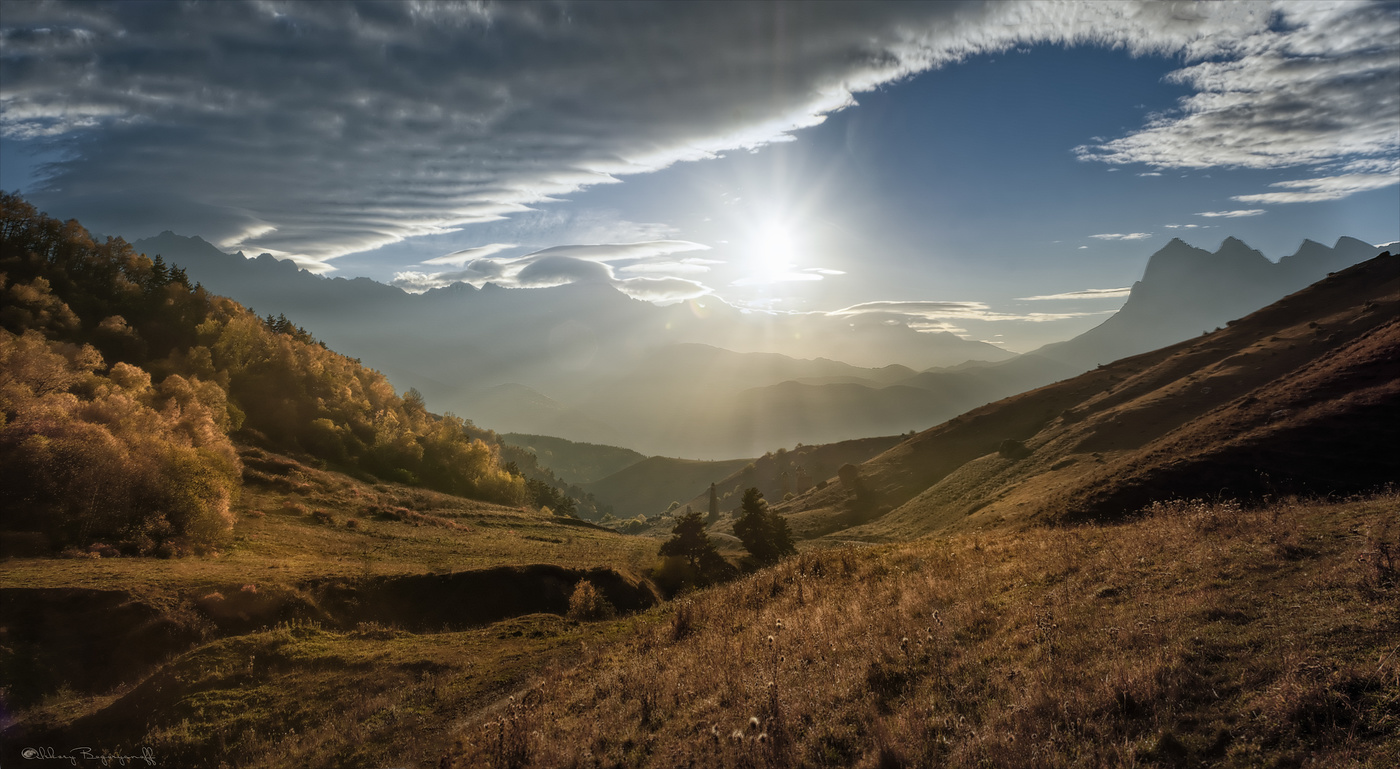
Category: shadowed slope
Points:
column 1300, row 397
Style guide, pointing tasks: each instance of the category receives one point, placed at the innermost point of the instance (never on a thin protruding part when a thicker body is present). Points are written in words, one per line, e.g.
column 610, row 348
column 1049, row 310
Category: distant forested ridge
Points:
column 123, row 387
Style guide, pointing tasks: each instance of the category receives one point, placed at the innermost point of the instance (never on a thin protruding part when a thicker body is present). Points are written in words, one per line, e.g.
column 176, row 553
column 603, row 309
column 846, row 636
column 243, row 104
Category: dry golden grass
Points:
column 226, row 684
column 309, row 524
column 1198, row 634
column 302, row 696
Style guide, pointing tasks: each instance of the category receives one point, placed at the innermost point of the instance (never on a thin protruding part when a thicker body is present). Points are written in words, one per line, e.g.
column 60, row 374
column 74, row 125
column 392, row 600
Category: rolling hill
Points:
column 575, row 462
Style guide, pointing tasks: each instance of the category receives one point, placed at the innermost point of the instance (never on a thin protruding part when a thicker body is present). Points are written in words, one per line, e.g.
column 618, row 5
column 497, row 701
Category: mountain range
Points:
column 1301, row 397
column 584, row 361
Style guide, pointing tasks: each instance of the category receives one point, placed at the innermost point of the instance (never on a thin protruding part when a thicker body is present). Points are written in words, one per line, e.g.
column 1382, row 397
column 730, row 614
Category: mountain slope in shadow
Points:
column 1300, row 397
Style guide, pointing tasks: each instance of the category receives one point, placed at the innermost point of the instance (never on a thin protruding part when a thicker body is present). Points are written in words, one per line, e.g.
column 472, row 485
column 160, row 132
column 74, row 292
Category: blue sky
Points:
column 794, row 158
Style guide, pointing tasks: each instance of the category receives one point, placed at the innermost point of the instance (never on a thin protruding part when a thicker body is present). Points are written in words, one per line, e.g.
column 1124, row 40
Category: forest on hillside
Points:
column 123, row 390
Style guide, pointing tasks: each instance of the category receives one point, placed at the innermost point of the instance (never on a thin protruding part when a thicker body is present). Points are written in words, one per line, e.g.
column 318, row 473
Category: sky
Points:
column 998, row 170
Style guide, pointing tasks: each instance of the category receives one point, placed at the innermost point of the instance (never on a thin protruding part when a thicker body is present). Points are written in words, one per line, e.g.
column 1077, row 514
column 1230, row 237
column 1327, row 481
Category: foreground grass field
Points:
column 299, row 695
column 1197, row 634
column 266, row 651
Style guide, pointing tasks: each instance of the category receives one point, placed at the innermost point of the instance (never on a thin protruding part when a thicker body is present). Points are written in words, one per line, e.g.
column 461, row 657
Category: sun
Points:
column 774, row 249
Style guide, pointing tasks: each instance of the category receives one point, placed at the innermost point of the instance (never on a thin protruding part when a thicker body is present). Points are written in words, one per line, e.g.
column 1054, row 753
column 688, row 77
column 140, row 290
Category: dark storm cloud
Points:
column 320, row 129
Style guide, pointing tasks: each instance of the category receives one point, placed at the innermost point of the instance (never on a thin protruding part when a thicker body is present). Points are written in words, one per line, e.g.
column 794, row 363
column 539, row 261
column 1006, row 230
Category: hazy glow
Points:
column 774, row 250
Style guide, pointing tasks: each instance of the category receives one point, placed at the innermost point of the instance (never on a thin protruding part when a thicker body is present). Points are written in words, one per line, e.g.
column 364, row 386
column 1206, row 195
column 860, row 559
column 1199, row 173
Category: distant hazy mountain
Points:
column 583, row 361
column 588, row 363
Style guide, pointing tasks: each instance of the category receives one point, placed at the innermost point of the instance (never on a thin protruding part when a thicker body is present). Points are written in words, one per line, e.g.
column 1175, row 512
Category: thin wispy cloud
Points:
column 929, row 314
column 614, row 252
column 1123, row 236
column 1235, row 214
column 1322, row 188
column 1088, row 293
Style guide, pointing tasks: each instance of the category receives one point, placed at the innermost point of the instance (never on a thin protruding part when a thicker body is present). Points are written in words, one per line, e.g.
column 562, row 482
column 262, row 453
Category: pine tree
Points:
column 689, row 540
column 765, row 534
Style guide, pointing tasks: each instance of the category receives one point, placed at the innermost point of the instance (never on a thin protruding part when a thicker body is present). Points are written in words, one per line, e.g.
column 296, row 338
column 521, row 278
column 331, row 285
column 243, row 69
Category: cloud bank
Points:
column 321, row 129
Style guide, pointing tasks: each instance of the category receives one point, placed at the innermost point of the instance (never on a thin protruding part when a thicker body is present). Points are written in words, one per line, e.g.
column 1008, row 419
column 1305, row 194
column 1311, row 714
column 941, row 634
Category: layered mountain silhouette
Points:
column 1187, row 290
column 1301, row 397
column 586, row 362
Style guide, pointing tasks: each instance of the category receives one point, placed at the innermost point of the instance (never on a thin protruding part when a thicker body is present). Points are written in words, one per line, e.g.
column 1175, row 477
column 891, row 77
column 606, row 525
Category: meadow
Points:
column 1195, row 634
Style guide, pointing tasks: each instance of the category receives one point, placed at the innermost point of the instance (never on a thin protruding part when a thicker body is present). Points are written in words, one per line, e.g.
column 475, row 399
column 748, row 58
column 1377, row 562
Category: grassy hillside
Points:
column 1195, row 635
column 575, row 462
column 780, row 473
column 650, row 486
column 344, row 623
column 229, row 544
column 1299, row 397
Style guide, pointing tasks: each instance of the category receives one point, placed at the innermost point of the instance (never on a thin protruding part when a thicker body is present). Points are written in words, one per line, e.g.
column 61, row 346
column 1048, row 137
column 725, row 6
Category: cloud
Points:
column 1121, row 236
column 1231, row 214
column 1150, row 173
column 612, row 252
column 459, row 258
column 927, row 315
column 322, row 129
column 555, row 270
column 1184, row 226
column 662, row 290
column 1315, row 85
column 578, row 263
column 1088, row 293
column 1323, row 188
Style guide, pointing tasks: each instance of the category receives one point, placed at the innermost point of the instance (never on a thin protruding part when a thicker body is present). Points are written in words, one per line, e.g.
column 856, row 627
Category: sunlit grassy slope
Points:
column 1196, row 635
column 342, row 624
column 298, row 523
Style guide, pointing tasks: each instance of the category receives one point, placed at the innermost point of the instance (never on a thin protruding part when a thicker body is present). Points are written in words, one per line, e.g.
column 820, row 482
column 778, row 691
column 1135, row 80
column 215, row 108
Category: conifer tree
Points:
column 765, row 534
column 689, row 540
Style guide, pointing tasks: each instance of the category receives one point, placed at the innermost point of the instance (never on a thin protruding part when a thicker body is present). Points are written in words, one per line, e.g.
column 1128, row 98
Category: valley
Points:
column 1056, row 576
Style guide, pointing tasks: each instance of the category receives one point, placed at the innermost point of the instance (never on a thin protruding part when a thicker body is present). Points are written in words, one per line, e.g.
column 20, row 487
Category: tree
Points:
column 765, row 534
column 690, row 558
column 714, row 505
column 689, row 540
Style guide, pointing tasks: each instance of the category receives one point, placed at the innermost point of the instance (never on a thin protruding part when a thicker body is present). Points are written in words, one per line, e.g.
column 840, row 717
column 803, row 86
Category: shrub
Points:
column 588, row 603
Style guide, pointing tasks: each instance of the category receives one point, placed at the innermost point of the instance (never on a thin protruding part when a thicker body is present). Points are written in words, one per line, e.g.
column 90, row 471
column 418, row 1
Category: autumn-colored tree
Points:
column 121, row 384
